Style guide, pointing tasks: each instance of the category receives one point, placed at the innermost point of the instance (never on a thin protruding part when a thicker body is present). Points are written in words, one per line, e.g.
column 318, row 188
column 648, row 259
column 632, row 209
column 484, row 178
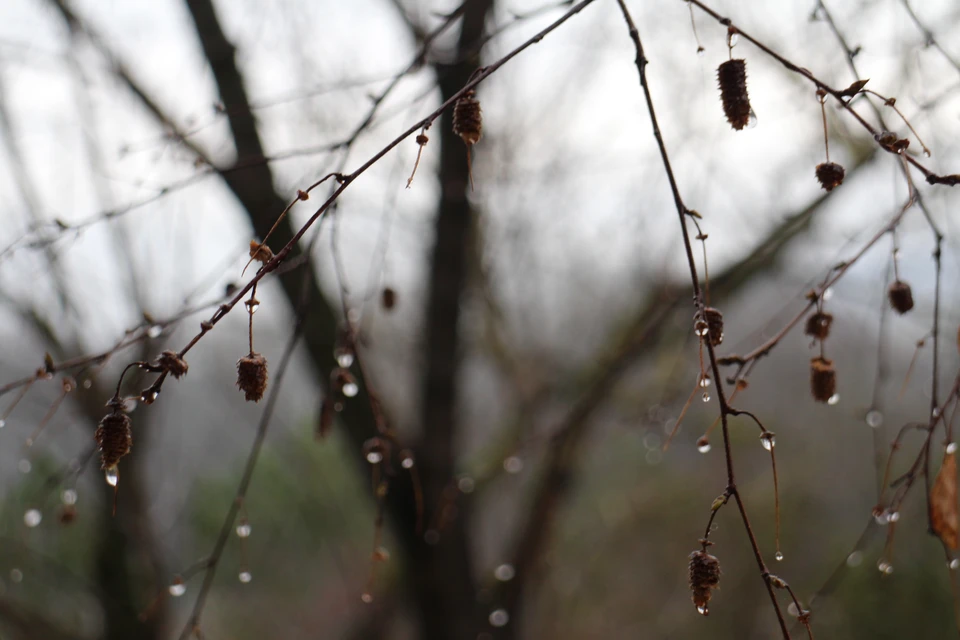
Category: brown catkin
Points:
column 818, row 325
column 467, row 119
column 704, row 576
column 260, row 252
column 732, row 77
column 714, row 320
column 830, row 175
column 823, row 379
column 113, row 437
column 901, row 296
column 172, row 363
column 252, row 376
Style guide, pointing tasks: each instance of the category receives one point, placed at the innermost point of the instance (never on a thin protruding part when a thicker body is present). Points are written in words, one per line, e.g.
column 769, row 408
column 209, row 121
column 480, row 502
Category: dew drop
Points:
column 704, row 381
column 834, row 399
column 351, row 389
column 792, row 609
column 16, row 576
column 499, row 618
column 504, row 572
column 893, row 516
column 244, row 529
column 245, row 577
column 703, row 445
column 768, row 440
column 779, row 556
column 149, row 397
column 935, row 413
column 700, row 51
column 513, row 464
column 952, row 447
column 374, row 457
column 888, row 569
column 3, row 423
column 154, row 331
column 344, row 358
column 252, row 306
column 112, row 476
column 466, row 484
column 954, row 564
column 24, row 466
column 177, row 589
column 407, row 463
column 883, row 566
column 129, row 404
column 87, row 383
column 827, row 294
column 706, row 396
column 366, row 598
column 752, row 120
column 69, row 496
column 32, row 517
column 874, row 418
column 854, row 559
column 701, row 328
column 703, row 610
column 732, row 39
column 880, row 517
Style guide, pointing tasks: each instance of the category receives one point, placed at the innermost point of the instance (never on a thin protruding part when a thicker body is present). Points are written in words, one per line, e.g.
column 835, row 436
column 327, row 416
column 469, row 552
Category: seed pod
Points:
column 818, row 325
column 252, row 376
column 823, row 379
column 901, row 296
column 732, row 77
column 113, row 436
column 467, row 119
column 830, row 175
column 172, row 363
column 704, row 576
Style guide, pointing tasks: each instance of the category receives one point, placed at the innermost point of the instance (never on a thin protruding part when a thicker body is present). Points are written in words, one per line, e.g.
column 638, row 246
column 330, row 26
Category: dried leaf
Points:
column 944, row 513
column 854, row 89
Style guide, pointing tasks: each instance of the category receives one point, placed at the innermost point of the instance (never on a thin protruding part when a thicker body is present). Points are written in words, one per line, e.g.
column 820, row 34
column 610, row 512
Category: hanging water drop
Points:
column 32, row 518
column 252, row 305
column 706, row 396
column 69, row 496
column 954, row 564
column 3, row 423
column 779, row 556
column 700, row 51
column 374, row 457
column 112, row 475
column 407, row 462
column 768, row 440
column 874, row 418
column 499, row 618
column 732, row 38
column 882, row 566
column 935, row 413
column 366, row 598
column 177, row 589
column 952, row 447
column 344, row 358
column 834, row 399
column 701, row 328
column 351, row 389
column 752, row 119
column 244, row 529
column 149, row 396
column 893, row 516
column 854, row 559
column 793, row 610
column 245, row 577
column 703, row 445
column 705, row 381
column 703, row 609
column 154, row 331
column 827, row 294
column 129, row 404
column 504, row 572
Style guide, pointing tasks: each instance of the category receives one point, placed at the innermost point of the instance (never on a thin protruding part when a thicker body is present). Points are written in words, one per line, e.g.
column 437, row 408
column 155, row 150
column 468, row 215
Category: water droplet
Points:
column 149, row 397
column 752, row 120
column 854, row 559
column 252, row 306
column 177, row 589
column 880, row 517
column 779, row 556
column 32, row 517
column 69, row 496
column 700, row 51
column 87, row 383
column 466, row 484
column 513, row 464
column 407, row 462
column 733, row 38
column 3, row 423
column 154, row 331
column 245, row 577
column 244, row 529
column 703, row 610
column 954, row 564
column 706, row 396
column 704, row 381
column 792, row 609
column 16, row 575
column 703, row 445
column 129, row 404
column 952, row 447
column 884, row 567
column 351, row 389
column 834, row 399
column 374, row 457
column 827, row 294
column 701, row 328
column 935, row 413
column 24, row 466
column 893, row 516
column 504, row 572
column 366, row 598
column 888, row 569
column 344, row 358
column 768, row 440
column 112, row 475
column 874, row 418
column 499, row 618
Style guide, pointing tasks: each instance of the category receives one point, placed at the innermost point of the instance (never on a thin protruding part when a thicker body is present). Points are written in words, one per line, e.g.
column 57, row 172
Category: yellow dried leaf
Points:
column 944, row 512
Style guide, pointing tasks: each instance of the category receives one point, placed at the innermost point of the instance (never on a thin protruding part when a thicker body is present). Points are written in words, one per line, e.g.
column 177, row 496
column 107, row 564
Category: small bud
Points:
column 252, row 376
column 388, row 298
column 901, row 297
column 823, row 379
column 732, row 77
column 422, row 139
column 818, row 325
column 302, row 195
column 830, row 175
column 260, row 252
column 704, row 576
column 172, row 363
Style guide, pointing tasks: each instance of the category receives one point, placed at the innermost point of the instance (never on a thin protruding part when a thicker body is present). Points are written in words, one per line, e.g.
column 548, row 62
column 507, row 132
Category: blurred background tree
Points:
column 524, row 346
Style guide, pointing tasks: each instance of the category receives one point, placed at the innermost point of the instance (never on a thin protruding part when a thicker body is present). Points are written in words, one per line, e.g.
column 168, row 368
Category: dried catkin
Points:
column 901, row 296
column 467, row 118
column 704, row 576
column 113, row 437
column 830, row 175
column 252, row 376
column 732, row 77
column 823, row 379
column 172, row 363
